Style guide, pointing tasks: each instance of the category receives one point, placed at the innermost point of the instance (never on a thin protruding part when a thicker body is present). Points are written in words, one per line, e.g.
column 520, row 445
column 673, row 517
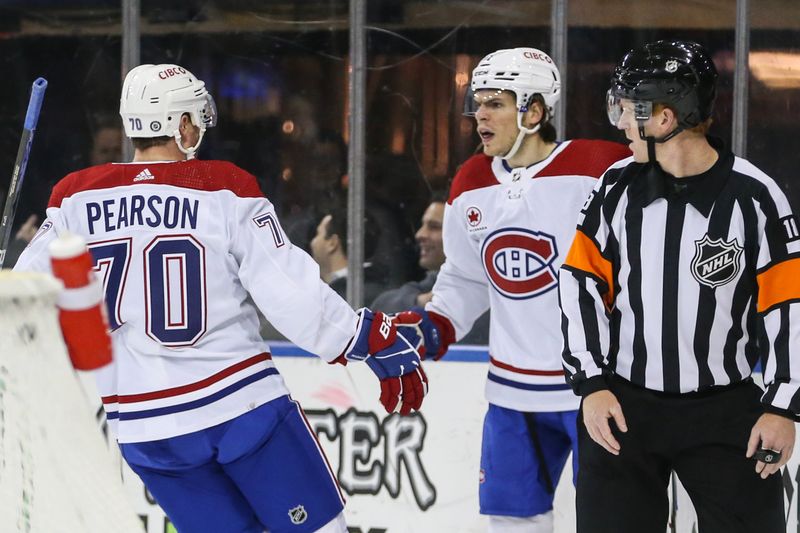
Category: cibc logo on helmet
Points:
column 531, row 54
column 520, row 262
column 171, row 71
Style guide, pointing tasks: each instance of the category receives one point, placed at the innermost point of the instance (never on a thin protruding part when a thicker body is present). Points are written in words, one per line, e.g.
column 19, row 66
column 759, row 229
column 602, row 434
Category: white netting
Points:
column 56, row 473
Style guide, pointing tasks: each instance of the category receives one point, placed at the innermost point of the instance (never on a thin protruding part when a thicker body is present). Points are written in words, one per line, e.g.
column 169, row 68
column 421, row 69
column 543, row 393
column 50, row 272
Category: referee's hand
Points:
column 771, row 432
column 598, row 407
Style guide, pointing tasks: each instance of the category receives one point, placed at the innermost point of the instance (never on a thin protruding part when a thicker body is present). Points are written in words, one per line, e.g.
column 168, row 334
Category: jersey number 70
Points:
column 174, row 284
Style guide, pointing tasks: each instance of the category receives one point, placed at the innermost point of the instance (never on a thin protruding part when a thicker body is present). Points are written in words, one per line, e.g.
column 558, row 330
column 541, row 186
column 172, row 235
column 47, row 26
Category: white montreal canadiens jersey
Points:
column 506, row 233
column 185, row 251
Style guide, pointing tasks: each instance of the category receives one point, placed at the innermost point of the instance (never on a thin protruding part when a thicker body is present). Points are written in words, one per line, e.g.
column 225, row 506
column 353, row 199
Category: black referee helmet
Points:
column 679, row 74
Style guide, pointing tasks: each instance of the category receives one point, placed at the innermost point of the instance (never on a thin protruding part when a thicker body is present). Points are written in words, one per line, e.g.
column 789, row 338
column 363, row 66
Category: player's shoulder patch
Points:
column 585, row 157
column 475, row 173
column 46, row 226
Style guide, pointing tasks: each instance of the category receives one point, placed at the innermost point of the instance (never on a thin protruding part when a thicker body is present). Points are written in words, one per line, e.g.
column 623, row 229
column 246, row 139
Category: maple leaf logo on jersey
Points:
column 715, row 262
column 474, row 216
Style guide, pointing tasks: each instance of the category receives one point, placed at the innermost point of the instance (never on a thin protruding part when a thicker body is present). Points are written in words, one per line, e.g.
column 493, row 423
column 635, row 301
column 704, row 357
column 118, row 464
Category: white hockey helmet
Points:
column 154, row 97
column 523, row 71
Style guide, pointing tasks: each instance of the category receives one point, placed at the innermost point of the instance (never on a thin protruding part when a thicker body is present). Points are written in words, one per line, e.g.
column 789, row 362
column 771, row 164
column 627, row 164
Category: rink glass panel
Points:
column 76, row 47
column 279, row 73
column 598, row 41
column 773, row 140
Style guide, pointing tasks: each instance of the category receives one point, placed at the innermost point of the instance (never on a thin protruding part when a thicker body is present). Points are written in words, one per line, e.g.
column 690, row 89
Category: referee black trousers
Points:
column 703, row 437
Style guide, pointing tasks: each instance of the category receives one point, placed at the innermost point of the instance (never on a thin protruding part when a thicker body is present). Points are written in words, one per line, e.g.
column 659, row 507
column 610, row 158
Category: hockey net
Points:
column 56, row 472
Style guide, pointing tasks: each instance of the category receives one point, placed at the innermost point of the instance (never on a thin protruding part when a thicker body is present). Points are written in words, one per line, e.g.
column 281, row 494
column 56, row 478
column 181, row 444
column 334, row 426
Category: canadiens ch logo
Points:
column 715, row 262
column 519, row 262
column 298, row 515
column 474, row 216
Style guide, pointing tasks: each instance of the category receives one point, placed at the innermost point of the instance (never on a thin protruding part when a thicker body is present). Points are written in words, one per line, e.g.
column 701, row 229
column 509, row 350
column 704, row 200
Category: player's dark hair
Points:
column 438, row 196
column 338, row 227
column 546, row 131
column 143, row 143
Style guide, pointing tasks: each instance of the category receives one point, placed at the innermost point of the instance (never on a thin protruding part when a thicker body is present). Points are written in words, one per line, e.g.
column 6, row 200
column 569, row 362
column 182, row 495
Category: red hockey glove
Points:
column 437, row 332
column 393, row 357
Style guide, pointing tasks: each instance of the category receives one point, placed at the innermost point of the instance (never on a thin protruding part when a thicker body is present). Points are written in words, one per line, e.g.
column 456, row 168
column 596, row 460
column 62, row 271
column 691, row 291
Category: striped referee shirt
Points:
column 683, row 284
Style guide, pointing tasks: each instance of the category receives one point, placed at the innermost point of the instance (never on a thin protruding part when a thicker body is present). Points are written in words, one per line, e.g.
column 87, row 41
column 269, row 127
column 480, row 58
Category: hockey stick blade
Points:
column 15, row 185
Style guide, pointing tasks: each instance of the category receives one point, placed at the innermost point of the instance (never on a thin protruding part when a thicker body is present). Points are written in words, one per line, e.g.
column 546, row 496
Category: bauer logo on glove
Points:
column 392, row 355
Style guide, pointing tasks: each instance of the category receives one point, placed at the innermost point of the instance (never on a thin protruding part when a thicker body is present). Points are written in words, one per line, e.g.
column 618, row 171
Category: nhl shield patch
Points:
column 716, row 262
column 298, row 515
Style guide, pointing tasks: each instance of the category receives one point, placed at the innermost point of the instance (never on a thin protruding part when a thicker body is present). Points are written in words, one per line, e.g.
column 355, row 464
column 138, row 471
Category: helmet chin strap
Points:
column 652, row 141
column 189, row 152
column 523, row 131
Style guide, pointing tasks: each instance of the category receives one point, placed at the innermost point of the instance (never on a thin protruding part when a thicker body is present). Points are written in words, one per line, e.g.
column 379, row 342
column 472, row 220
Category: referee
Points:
column 683, row 275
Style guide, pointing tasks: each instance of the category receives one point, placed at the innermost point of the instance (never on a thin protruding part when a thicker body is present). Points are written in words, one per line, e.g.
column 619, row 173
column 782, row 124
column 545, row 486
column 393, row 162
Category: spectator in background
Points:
column 24, row 235
column 396, row 194
column 431, row 258
column 313, row 177
column 329, row 249
column 106, row 148
column 314, row 180
column 106, row 144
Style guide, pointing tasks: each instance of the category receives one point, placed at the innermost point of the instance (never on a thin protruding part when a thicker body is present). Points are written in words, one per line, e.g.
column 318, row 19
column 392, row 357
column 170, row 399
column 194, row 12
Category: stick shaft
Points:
column 18, row 175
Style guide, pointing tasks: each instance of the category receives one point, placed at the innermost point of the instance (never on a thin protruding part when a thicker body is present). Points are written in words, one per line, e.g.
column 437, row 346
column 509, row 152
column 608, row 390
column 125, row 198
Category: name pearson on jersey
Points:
column 139, row 210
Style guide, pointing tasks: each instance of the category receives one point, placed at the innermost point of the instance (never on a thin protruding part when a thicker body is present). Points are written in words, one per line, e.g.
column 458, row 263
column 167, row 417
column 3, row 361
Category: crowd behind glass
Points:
column 280, row 76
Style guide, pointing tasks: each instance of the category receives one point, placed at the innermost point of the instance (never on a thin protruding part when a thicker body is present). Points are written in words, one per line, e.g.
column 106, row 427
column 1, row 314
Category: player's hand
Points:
column 598, row 408
column 419, row 319
column 424, row 297
column 392, row 355
column 28, row 230
column 771, row 432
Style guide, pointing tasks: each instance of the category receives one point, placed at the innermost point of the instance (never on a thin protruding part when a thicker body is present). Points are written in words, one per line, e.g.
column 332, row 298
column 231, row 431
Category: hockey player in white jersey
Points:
column 200, row 412
column 508, row 223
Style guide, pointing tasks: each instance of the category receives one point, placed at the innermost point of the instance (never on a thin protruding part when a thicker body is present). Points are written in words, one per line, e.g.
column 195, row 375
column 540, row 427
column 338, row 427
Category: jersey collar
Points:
column 505, row 174
column 701, row 191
